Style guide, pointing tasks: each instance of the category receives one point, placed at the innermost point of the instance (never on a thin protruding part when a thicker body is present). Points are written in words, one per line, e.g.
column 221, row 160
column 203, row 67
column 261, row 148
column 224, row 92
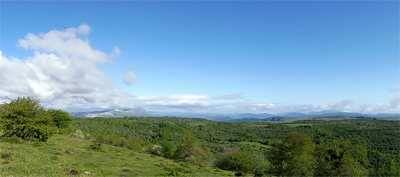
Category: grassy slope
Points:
column 27, row 160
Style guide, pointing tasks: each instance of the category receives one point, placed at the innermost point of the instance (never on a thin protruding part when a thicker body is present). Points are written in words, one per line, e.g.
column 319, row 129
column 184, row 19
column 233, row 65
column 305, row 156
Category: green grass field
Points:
column 61, row 154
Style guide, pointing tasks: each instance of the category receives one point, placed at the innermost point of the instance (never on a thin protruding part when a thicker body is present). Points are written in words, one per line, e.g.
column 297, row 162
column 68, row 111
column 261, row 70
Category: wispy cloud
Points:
column 395, row 89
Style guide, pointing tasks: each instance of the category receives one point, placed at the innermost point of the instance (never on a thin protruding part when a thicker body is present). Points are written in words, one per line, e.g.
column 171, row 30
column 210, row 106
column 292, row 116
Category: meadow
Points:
column 63, row 153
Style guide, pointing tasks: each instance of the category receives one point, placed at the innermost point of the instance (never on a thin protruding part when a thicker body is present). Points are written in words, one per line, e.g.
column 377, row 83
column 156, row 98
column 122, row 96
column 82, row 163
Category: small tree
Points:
column 60, row 119
column 294, row 156
column 25, row 118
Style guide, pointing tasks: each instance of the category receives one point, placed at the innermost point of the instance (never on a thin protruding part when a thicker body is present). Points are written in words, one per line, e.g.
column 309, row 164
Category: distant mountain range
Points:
column 113, row 113
column 238, row 117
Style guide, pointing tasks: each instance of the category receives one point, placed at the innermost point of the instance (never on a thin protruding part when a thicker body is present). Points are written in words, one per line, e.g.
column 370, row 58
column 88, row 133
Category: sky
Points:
column 203, row 56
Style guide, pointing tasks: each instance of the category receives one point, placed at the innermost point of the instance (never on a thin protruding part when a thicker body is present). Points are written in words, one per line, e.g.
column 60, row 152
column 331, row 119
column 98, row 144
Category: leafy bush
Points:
column 236, row 161
column 192, row 152
column 25, row 118
column 168, row 150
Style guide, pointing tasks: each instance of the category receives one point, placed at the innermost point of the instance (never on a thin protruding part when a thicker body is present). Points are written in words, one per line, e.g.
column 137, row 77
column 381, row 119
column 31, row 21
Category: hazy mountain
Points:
column 384, row 115
column 114, row 113
column 237, row 117
column 250, row 115
column 292, row 114
column 334, row 113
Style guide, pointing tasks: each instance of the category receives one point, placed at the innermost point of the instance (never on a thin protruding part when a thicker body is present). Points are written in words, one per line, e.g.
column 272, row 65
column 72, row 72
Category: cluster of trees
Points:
column 25, row 119
column 297, row 155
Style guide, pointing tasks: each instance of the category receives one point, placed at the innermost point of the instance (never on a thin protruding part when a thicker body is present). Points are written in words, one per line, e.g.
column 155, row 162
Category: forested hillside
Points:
column 372, row 144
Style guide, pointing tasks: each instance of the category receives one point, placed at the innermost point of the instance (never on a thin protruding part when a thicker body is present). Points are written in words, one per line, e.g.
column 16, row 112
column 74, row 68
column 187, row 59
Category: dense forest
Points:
column 328, row 147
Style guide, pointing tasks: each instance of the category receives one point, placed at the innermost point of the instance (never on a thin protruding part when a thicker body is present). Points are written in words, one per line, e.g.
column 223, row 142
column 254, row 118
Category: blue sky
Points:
column 203, row 56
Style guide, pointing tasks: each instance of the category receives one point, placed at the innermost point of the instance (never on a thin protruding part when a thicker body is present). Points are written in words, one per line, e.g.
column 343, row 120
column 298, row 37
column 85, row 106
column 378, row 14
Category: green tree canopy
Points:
column 294, row 156
column 341, row 158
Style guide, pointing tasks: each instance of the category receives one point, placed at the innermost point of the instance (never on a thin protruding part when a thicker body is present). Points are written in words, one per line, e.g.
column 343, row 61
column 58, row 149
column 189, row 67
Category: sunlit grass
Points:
column 61, row 154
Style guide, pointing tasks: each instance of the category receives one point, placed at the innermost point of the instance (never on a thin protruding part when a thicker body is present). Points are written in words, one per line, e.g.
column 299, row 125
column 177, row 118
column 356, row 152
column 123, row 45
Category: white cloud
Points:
column 190, row 97
column 376, row 108
column 62, row 72
column 185, row 104
column 129, row 78
column 395, row 103
column 197, row 103
column 258, row 107
column 66, row 44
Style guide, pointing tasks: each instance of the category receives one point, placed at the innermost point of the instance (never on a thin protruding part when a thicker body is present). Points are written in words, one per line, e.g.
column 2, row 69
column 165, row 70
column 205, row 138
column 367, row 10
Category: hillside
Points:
column 62, row 154
column 220, row 137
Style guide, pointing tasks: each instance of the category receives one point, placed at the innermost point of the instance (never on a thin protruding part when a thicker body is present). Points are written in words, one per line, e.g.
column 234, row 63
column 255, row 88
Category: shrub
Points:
column 258, row 173
column 97, row 142
column 167, row 150
column 13, row 139
column 26, row 119
column 155, row 150
column 192, row 152
column 78, row 134
column 236, row 161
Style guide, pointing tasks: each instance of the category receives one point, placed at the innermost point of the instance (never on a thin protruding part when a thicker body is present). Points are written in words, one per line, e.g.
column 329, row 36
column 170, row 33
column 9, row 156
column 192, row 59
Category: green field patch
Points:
column 253, row 145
